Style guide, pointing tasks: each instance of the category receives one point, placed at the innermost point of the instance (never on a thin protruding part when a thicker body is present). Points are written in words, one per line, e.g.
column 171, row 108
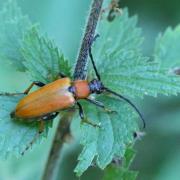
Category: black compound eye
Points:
column 96, row 86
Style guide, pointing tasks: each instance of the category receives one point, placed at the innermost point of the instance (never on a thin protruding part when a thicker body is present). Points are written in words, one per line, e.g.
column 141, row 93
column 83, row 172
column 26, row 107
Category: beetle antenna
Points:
column 92, row 59
column 129, row 102
column 94, row 66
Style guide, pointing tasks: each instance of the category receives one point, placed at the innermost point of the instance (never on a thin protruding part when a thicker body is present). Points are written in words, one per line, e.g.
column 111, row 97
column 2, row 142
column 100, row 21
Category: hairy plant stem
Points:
column 80, row 72
column 82, row 61
column 62, row 133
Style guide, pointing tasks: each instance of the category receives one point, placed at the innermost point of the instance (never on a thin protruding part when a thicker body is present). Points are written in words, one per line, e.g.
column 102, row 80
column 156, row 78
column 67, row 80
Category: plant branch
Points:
column 62, row 133
column 63, row 129
column 82, row 61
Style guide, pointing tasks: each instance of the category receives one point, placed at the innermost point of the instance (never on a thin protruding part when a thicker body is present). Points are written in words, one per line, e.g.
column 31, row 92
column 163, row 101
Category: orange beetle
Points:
column 46, row 102
column 51, row 98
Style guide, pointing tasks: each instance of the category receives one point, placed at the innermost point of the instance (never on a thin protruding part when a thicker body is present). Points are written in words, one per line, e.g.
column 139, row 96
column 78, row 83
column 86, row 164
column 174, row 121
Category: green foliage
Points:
column 118, row 51
column 14, row 135
column 35, row 54
column 23, row 46
column 13, row 25
column 117, row 173
column 42, row 58
column 167, row 49
column 111, row 139
column 123, row 68
column 113, row 172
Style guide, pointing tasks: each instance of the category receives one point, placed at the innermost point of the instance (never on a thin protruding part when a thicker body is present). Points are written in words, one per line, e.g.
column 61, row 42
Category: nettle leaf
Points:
column 111, row 139
column 27, row 50
column 122, row 65
column 167, row 49
column 116, row 172
column 13, row 25
column 14, row 135
column 42, row 58
column 124, row 69
column 18, row 43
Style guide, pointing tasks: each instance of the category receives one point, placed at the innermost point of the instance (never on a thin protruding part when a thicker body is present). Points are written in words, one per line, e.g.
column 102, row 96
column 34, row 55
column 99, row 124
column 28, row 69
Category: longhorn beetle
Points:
column 46, row 102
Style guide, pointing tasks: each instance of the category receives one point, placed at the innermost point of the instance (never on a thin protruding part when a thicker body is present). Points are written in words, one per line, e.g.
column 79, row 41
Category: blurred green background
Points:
column 158, row 153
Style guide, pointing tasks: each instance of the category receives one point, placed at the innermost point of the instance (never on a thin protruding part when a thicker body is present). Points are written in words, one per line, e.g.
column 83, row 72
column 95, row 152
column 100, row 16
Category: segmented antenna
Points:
column 129, row 102
column 92, row 60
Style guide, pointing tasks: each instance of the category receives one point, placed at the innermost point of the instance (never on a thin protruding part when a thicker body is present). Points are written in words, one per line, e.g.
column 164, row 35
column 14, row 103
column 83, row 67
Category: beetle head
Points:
column 96, row 86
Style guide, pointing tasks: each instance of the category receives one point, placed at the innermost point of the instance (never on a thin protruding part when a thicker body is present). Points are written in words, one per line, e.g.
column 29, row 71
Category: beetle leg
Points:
column 83, row 119
column 100, row 104
column 50, row 116
column 40, row 131
column 37, row 83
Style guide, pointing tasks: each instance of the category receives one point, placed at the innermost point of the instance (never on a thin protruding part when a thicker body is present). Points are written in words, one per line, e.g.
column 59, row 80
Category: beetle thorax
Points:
column 80, row 89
